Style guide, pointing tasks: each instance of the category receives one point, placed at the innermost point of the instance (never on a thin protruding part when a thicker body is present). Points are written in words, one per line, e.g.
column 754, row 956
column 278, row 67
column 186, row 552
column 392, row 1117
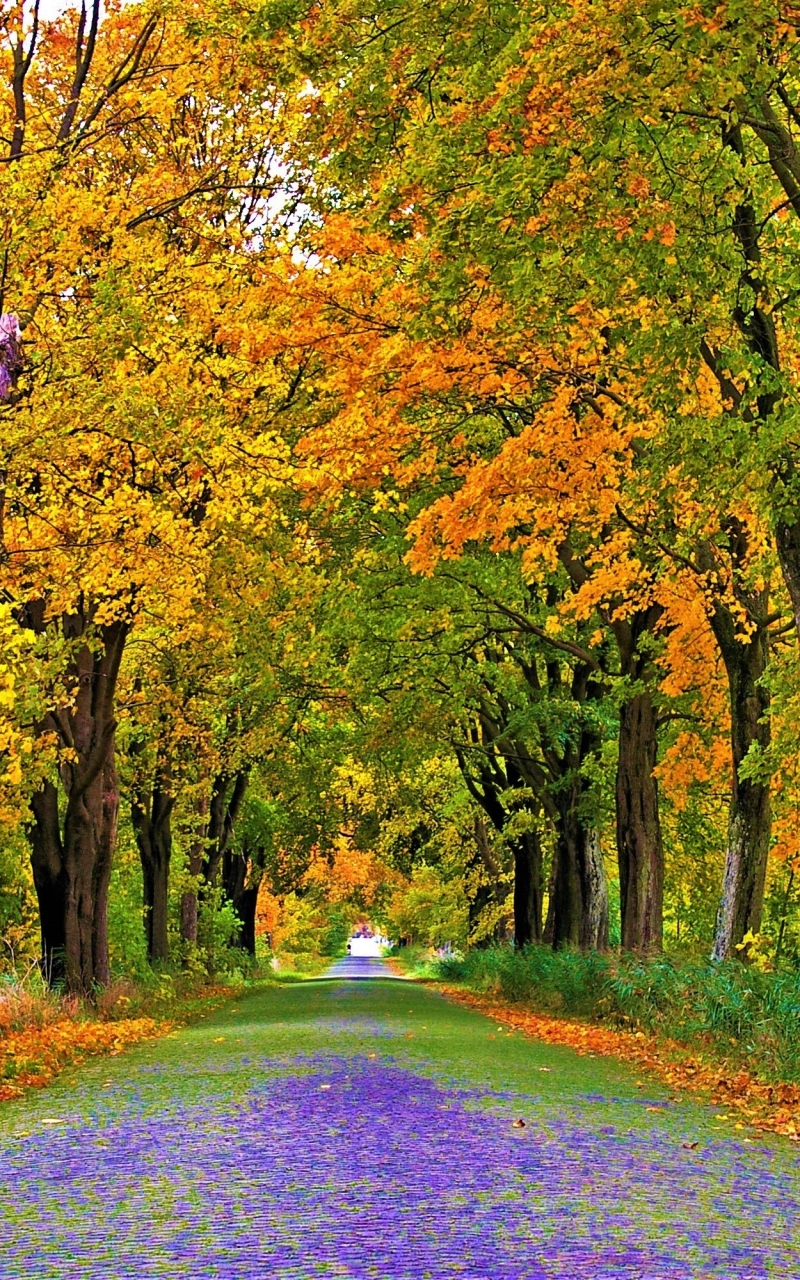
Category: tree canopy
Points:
column 399, row 497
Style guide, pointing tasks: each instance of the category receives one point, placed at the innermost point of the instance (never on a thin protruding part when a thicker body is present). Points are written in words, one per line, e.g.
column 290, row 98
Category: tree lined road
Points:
column 371, row 1129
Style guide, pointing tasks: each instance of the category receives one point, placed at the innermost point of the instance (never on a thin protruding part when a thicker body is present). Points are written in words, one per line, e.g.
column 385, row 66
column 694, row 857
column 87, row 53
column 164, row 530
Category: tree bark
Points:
column 579, row 902
column 527, row 851
column 639, row 845
column 189, row 897
column 749, row 819
column 487, row 886
column 151, row 814
column 71, row 862
column 223, row 811
column 241, row 877
column 580, row 899
column 218, row 813
column 107, row 843
column 640, row 849
column 49, row 878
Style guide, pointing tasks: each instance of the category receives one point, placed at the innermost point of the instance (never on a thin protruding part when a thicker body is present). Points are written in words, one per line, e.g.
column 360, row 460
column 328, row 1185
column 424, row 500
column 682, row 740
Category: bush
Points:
column 737, row 1009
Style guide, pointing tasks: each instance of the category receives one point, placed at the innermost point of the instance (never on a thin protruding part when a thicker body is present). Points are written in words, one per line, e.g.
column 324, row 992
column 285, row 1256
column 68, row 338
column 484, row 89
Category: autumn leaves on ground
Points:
column 400, row 515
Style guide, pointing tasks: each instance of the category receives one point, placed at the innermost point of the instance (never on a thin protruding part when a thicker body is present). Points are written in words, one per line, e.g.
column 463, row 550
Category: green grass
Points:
column 736, row 1010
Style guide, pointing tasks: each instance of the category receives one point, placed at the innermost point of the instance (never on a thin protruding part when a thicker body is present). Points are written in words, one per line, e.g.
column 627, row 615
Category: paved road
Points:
column 371, row 1131
column 359, row 967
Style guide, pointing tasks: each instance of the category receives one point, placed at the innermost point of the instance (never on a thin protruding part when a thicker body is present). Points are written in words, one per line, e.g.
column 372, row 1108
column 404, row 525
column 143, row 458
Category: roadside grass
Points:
column 42, row 1032
column 744, row 1017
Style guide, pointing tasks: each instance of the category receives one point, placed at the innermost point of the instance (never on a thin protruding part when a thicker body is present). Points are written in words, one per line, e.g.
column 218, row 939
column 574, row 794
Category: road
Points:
column 370, row 1130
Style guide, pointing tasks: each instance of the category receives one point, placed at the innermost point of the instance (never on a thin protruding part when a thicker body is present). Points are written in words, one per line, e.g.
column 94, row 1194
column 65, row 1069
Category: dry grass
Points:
column 26, row 1002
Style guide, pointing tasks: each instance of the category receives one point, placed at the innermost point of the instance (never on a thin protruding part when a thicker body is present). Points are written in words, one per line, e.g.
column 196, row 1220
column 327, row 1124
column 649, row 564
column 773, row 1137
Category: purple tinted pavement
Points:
column 370, row 1131
column 358, row 967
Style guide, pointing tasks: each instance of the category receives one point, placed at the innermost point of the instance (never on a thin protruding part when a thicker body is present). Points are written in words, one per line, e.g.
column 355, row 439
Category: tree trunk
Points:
column 527, row 850
column 189, row 897
column 151, row 814
column 580, row 891
column 247, row 913
column 49, row 878
column 106, row 845
column 241, row 878
column 787, row 541
column 578, row 911
column 223, row 811
column 749, row 819
column 640, row 849
column 72, row 865
column 639, row 845
column 485, row 890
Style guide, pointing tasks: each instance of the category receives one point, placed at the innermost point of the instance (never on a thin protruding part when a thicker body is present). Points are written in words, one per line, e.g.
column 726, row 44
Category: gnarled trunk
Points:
column 639, row 845
column 217, row 813
column 71, row 861
column 486, row 888
column 640, row 850
column 580, row 890
column 49, row 878
column 241, row 876
column 749, row 819
column 189, row 896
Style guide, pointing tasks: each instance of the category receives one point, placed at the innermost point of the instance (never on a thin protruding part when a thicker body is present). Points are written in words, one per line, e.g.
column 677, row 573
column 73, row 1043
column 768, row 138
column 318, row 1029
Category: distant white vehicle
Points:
column 361, row 946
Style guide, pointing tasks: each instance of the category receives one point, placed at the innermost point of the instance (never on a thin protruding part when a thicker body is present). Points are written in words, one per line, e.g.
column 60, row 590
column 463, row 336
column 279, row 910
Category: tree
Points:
column 127, row 444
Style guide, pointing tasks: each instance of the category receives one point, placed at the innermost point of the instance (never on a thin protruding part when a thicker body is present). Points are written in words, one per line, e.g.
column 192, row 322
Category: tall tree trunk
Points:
column 49, row 878
column 246, row 909
column 580, row 890
column 223, row 811
column 486, row 888
column 241, row 877
column 639, row 845
column 749, row 819
column 72, row 864
column 640, row 849
column 527, row 851
column 189, row 904
column 106, row 845
column 579, row 901
column 218, row 813
column 151, row 814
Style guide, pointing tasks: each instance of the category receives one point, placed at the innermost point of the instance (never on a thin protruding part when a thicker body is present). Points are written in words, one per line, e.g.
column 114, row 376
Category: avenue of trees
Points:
column 399, row 476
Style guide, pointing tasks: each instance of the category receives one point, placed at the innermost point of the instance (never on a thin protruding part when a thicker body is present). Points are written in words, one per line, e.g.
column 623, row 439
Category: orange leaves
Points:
column 32, row 1058
column 349, row 874
column 554, row 474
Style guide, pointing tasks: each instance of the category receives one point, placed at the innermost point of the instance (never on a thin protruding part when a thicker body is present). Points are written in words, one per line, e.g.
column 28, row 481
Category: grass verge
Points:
column 42, row 1033
column 727, row 1032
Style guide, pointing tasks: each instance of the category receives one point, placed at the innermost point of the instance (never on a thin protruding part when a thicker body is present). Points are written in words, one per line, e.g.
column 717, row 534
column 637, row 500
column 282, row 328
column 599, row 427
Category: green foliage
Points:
column 430, row 910
column 19, row 927
column 217, row 927
column 126, row 939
